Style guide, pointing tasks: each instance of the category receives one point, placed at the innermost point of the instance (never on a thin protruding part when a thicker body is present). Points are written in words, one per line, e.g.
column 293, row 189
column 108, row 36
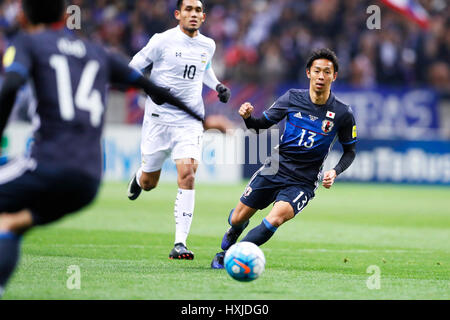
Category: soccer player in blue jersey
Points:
column 315, row 119
column 70, row 78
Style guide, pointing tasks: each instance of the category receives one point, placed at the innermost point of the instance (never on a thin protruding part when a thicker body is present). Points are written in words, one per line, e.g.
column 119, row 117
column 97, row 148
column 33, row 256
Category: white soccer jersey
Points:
column 179, row 63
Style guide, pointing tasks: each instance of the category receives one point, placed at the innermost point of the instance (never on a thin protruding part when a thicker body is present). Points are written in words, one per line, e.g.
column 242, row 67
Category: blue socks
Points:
column 261, row 234
column 258, row 235
column 9, row 256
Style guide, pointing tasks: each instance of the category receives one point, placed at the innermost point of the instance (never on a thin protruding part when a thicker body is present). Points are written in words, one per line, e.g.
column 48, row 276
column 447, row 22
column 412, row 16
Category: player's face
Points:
column 191, row 15
column 321, row 75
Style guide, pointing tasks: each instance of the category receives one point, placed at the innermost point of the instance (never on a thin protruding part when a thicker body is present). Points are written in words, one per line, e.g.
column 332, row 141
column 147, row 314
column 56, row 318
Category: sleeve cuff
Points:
column 349, row 142
column 268, row 119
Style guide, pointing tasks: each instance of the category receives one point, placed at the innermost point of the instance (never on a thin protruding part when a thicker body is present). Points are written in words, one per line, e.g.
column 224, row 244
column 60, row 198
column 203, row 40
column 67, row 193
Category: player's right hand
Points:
column 246, row 110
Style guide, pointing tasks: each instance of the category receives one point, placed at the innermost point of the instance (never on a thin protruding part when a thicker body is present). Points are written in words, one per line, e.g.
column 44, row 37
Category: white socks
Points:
column 138, row 177
column 184, row 212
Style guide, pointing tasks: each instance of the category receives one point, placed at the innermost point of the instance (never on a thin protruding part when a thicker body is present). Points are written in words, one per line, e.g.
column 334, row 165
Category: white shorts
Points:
column 159, row 142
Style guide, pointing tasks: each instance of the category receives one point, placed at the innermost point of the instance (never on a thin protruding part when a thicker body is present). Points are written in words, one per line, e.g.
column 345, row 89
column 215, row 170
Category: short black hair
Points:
column 323, row 53
column 180, row 3
column 43, row 11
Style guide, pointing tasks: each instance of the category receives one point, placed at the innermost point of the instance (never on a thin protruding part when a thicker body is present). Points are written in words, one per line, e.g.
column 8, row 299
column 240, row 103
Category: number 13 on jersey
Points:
column 307, row 139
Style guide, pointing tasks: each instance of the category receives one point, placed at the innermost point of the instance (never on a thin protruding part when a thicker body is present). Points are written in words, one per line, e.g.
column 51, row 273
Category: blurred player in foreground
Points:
column 315, row 119
column 70, row 77
column 180, row 59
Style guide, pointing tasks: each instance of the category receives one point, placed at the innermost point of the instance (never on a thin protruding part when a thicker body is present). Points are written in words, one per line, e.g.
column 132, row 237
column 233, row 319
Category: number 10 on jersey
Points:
column 189, row 72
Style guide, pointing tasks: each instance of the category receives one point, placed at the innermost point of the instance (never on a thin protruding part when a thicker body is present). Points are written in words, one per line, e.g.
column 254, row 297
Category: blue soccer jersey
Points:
column 310, row 132
column 70, row 78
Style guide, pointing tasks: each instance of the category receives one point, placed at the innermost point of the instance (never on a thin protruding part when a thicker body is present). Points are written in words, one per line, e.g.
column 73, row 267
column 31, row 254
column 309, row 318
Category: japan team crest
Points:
column 327, row 126
column 247, row 191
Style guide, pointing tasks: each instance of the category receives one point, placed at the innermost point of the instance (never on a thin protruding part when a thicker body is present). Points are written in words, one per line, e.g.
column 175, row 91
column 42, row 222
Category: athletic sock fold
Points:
column 138, row 177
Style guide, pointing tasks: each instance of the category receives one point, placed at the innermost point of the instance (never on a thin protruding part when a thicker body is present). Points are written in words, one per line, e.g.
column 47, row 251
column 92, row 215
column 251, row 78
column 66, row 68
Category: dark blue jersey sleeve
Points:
column 120, row 72
column 17, row 57
column 347, row 130
column 11, row 84
column 279, row 109
column 17, row 64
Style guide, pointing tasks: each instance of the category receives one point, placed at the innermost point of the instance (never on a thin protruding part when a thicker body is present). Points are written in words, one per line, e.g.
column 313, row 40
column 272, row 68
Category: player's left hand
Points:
column 224, row 93
column 328, row 178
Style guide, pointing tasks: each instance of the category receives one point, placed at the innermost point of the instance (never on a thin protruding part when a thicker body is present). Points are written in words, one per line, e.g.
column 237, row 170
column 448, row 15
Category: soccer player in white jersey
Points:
column 180, row 59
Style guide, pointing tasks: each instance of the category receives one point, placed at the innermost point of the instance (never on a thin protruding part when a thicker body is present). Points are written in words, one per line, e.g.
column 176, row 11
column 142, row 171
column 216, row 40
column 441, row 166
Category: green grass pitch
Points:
column 122, row 247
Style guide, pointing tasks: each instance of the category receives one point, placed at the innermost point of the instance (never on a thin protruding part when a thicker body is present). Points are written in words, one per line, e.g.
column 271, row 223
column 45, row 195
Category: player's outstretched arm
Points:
column 11, row 85
column 163, row 95
column 245, row 111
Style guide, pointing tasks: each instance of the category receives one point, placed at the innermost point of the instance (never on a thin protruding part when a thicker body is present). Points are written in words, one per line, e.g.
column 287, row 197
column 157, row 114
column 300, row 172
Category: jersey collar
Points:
column 327, row 104
column 186, row 36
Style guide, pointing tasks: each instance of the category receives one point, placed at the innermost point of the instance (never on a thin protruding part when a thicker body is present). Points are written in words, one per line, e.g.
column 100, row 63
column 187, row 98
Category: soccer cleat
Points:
column 230, row 237
column 180, row 252
column 133, row 189
column 217, row 262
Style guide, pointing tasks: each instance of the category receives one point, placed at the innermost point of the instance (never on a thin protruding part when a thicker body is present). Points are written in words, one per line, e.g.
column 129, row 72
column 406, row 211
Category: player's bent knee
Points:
column 280, row 218
column 277, row 221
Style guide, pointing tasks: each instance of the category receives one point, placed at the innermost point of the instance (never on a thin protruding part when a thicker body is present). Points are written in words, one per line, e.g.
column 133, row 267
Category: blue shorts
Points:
column 48, row 192
column 263, row 190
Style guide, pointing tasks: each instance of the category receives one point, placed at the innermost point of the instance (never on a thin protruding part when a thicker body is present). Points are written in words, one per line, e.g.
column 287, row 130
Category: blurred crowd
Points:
column 268, row 41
